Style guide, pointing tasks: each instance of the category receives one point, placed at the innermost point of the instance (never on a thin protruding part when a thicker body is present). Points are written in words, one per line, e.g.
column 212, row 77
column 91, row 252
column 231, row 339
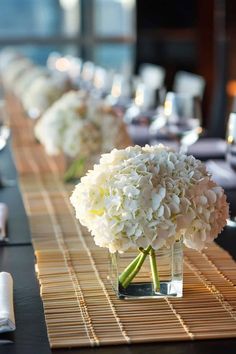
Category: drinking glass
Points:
column 142, row 110
column 180, row 121
column 100, row 81
column 87, row 75
column 231, row 153
column 119, row 96
column 231, row 141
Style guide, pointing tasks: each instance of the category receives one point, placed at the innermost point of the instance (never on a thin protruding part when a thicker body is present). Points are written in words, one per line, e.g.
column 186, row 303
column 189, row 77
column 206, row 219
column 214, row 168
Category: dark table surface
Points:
column 17, row 257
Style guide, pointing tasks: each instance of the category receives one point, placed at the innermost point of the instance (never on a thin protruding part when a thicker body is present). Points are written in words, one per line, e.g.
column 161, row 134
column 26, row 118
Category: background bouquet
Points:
column 80, row 128
column 42, row 92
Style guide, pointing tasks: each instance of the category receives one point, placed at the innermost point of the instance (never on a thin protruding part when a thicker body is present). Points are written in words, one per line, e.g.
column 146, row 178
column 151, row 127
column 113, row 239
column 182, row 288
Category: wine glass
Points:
column 75, row 68
column 180, row 121
column 143, row 108
column 87, row 75
column 120, row 91
column 100, row 81
column 231, row 153
column 231, row 141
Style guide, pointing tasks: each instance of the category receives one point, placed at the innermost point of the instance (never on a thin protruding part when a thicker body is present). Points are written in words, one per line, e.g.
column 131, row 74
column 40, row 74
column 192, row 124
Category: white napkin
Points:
column 208, row 147
column 7, row 318
column 3, row 220
column 222, row 173
column 203, row 148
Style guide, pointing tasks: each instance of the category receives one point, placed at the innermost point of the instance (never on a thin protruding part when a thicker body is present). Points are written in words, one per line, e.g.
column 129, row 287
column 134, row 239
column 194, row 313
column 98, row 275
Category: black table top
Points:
column 30, row 336
column 18, row 227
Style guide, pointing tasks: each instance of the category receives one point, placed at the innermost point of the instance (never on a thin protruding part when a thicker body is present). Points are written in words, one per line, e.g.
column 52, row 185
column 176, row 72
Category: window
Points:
column 98, row 30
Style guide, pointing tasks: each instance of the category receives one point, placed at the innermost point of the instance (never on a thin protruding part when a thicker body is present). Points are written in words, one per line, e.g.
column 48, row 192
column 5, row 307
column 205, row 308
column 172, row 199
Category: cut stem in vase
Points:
column 150, row 274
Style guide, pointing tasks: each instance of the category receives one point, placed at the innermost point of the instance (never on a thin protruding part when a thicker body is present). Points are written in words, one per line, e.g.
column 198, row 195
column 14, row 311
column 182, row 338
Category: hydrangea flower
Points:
column 65, row 128
column 43, row 92
column 79, row 126
column 149, row 197
column 14, row 70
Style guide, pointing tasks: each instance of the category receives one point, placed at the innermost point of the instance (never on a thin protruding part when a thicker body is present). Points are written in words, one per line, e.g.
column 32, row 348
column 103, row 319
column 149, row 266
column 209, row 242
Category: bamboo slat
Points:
column 79, row 304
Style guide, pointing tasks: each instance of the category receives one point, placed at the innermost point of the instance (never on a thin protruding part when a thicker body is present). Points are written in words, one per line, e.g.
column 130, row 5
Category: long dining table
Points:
column 17, row 257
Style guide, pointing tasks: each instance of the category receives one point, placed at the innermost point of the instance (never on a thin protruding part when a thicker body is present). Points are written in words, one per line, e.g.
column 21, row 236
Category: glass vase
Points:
column 160, row 275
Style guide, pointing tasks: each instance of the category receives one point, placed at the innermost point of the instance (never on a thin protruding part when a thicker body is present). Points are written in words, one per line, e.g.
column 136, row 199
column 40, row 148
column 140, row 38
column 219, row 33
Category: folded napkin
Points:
column 3, row 220
column 139, row 134
column 7, row 318
column 207, row 148
column 222, row 173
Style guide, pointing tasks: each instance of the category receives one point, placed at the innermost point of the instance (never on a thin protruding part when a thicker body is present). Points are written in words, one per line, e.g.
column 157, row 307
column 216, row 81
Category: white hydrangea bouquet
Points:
column 77, row 127
column 42, row 93
column 147, row 198
column 25, row 80
column 12, row 72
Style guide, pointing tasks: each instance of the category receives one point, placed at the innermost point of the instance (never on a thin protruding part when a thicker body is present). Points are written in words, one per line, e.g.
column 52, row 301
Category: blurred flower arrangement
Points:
column 15, row 69
column 42, row 93
column 25, row 80
column 35, row 86
column 81, row 129
column 148, row 197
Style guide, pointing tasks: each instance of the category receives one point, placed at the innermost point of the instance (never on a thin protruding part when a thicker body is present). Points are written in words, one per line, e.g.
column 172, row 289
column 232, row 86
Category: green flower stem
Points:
column 129, row 269
column 75, row 170
column 131, row 272
column 153, row 264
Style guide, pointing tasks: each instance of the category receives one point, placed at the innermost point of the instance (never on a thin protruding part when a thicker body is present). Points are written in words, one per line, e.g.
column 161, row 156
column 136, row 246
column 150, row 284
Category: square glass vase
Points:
column 169, row 271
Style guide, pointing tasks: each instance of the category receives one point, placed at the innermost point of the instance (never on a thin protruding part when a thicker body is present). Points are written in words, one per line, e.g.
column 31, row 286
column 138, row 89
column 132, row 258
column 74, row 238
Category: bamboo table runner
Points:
column 79, row 304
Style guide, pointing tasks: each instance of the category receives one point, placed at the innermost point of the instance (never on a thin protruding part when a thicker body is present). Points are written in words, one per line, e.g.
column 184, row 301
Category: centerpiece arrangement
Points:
column 22, row 84
column 81, row 129
column 14, row 70
column 43, row 92
column 143, row 203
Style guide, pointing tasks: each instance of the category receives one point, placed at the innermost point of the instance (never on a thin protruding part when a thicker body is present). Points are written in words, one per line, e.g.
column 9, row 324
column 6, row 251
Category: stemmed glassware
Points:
column 87, row 75
column 100, row 82
column 231, row 141
column 180, row 121
column 120, row 92
column 231, row 153
column 143, row 105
